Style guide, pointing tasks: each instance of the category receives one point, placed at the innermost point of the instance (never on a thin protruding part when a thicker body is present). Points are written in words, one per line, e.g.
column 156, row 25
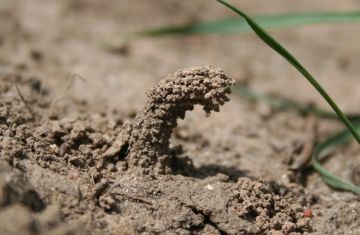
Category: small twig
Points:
column 25, row 102
column 135, row 198
column 63, row 92
column 305, row 156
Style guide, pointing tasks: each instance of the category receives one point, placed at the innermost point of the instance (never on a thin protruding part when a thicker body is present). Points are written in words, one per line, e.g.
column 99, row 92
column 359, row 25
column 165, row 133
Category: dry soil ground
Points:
column 63, row 158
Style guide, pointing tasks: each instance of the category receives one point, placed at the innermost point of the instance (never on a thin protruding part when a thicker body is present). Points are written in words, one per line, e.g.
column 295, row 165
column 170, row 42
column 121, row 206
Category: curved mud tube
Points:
column 168, row 101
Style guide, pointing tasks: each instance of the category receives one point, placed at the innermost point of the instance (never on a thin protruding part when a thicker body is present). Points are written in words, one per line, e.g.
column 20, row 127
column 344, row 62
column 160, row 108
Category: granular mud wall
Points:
column 167, row 102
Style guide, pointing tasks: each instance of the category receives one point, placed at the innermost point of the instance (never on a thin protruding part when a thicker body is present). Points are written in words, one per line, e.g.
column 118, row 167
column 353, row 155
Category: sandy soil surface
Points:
column 89, row 153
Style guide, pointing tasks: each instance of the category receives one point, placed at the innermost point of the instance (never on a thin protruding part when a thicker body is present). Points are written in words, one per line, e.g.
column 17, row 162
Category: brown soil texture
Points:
column 80, row 153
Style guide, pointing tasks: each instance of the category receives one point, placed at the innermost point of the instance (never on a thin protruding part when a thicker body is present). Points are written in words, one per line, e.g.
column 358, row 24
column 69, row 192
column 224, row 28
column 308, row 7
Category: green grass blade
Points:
column 238, row 25
column 285, row 104
column 271, row 42
column 323, row 149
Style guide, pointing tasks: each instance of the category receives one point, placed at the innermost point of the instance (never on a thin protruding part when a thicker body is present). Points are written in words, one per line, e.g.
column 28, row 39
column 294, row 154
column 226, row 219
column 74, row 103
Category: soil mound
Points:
column 73, row 174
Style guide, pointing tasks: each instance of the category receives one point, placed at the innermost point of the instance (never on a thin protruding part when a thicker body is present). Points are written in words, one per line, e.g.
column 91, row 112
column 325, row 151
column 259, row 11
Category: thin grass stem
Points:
column 271, row 42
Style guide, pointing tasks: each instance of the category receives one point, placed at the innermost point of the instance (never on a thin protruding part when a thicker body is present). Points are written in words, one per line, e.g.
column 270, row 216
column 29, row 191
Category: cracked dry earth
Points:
column 71, row 176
